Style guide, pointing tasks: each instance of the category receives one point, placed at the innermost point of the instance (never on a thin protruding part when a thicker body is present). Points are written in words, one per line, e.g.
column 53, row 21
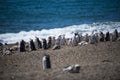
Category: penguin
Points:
column 44, row 44
column 46, row 62
column 22, row 46
column 101, row 37
column 1, row 47
column 107, row 36
column 116, row 34
column 32, row 45
column 49, row 44
column 38, row 43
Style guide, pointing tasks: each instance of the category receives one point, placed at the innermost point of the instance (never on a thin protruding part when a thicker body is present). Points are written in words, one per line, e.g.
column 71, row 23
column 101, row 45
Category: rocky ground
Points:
column 97, row 62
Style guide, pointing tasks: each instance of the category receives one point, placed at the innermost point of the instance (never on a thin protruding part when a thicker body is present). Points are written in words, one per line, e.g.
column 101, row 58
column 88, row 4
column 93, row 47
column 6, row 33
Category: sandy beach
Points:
column 97, row 62
column 82, row 38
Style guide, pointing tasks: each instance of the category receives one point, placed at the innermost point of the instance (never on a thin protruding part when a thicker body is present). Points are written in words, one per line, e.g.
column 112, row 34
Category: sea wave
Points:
column 68, row 31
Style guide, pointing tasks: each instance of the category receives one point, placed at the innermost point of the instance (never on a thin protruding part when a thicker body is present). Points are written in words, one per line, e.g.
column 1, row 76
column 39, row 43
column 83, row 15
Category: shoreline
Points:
column 68, row 31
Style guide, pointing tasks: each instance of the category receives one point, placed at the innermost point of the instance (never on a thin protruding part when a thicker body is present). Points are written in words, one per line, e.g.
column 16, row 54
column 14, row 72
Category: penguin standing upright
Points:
column 38, row 43
column 116, row 34
column 74, row 41
column 101, row 36
column 32, row 45
column 92, row 39
column 53, row 41
column 107, row 37
column 1, row 48
column 44, row 44
column 46, row 62
column 49, row 42
column 86, row 38
column 22, row 46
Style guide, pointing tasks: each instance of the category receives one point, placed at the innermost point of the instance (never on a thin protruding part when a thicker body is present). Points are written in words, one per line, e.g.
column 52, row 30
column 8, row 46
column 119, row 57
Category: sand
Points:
column 97, row 62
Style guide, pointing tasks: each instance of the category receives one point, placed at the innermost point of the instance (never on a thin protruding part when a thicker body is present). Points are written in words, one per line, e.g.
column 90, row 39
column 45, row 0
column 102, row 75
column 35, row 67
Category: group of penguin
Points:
column 46, row 44
column 35, row 45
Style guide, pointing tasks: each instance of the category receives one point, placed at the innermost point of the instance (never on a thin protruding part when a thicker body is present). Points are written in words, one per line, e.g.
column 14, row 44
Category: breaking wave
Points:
column 68, row 31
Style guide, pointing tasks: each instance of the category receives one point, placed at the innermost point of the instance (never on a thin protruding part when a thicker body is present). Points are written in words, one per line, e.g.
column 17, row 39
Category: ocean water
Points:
column 24, row 19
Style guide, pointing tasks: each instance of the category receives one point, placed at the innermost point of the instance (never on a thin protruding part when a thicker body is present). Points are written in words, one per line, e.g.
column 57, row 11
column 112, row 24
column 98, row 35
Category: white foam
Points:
column 68, row 31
